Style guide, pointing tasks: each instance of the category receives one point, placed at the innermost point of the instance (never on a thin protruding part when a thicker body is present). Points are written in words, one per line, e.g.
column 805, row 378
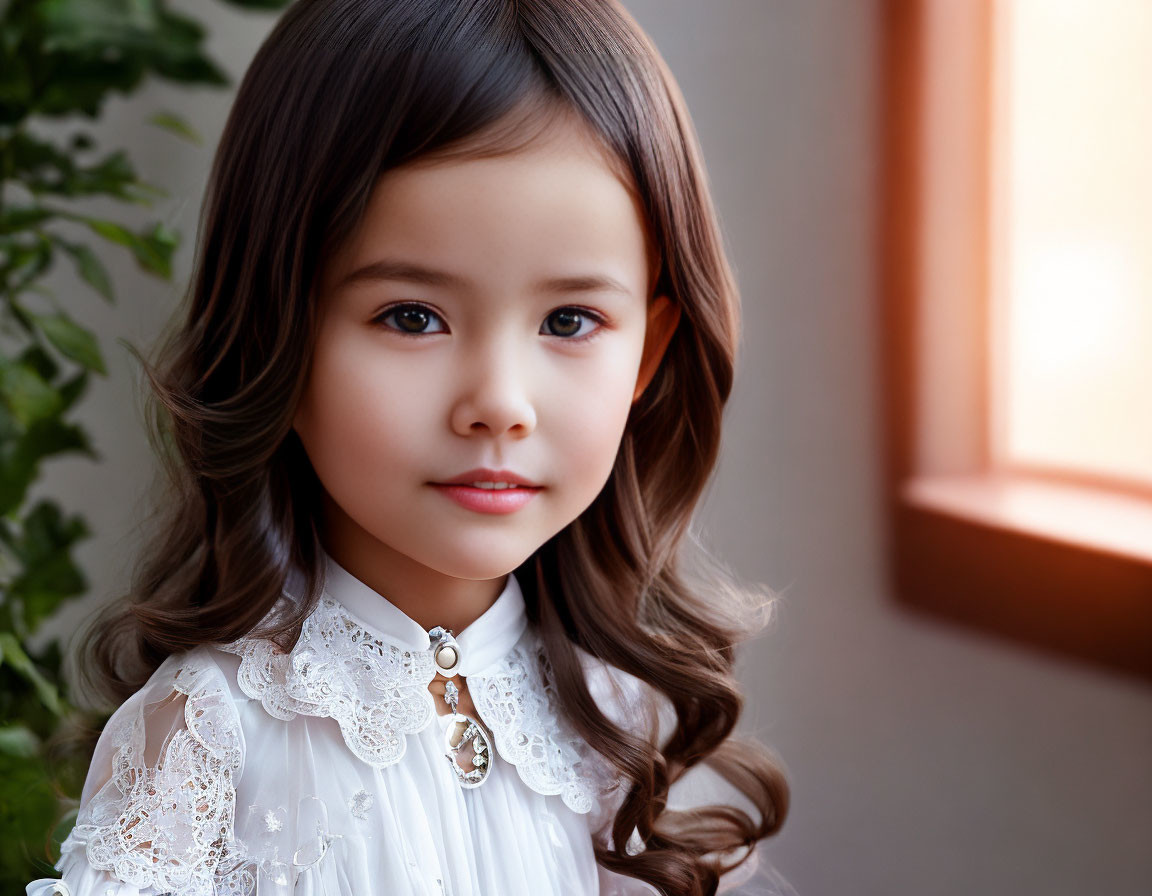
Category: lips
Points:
column 486, row 474
column 488, row 500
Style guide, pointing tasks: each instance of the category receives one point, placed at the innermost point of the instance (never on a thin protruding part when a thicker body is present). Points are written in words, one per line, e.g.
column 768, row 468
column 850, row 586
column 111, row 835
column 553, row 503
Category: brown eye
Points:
column 414, row 320
column 411, row 320
column 567, row 322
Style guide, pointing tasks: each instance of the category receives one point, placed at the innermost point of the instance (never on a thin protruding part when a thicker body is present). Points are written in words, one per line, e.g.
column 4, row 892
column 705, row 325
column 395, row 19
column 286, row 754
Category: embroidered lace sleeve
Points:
column 157, row 811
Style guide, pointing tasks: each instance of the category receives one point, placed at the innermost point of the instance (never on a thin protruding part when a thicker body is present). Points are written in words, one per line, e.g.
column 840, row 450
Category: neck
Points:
column 424, row 594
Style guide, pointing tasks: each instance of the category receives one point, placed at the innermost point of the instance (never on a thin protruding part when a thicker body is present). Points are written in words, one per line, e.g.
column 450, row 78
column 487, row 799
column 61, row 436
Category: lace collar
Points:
column 481, row 644
column 363, row 662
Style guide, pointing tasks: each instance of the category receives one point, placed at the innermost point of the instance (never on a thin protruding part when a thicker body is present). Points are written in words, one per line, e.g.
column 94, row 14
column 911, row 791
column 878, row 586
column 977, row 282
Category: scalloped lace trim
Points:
column 516, row 699
column 170, row 827
column 378, row 693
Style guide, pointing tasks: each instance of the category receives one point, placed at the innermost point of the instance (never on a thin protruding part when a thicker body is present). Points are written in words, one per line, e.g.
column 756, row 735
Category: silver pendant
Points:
column 465, row 742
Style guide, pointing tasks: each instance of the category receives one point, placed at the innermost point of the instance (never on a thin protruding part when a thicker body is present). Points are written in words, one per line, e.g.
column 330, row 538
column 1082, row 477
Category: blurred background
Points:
column 933, row 749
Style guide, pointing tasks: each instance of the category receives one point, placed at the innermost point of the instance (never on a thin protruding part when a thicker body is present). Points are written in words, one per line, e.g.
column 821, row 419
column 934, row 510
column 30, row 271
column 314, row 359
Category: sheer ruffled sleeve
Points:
column 157, row 810
column 636, row 706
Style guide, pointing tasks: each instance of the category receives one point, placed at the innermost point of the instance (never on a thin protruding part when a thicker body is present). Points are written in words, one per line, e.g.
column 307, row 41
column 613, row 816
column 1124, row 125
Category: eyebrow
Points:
column 408, row 272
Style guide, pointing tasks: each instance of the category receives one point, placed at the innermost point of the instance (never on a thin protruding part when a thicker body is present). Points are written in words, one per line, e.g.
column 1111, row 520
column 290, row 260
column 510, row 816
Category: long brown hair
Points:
column 340, row 92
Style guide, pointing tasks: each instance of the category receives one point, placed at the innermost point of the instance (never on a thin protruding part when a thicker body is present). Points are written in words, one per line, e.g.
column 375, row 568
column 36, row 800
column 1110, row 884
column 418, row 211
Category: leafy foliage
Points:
column 61, row 59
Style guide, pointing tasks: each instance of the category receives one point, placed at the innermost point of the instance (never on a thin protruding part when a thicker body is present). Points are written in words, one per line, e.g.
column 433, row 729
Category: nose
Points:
column 494, row 396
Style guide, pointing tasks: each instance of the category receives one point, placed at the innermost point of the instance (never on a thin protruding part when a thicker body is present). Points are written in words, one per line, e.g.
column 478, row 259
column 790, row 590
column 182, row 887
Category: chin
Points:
column 482, row 565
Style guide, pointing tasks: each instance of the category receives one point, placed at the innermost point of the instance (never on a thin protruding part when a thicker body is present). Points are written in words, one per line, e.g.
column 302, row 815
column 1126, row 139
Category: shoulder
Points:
column 158, row 804
column 193, row 691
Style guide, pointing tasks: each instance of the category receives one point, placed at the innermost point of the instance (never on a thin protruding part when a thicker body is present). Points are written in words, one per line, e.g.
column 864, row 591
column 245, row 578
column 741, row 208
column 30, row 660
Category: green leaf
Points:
column 23, row 217
column 53, row 582
column 46, row 438
column 32, row 262
column 37, row 357
column 17, row 659
column 28, row 809
column 26, row 394
column 90, row 268
column 10, row 429
column 83, row 79
column 21, row 456
column 21, row 259
column 46, row 533
column 72, row 389
column 176, row 51
column 79, row 24
column 38, row 164
column 43, row 168
column 170, row 121
column 50, row 576
column 72, row 340
column 144, row 192
column 17, row 740
column 166, row 239
column 153, row 248
column 111, row 175
column 16, row 86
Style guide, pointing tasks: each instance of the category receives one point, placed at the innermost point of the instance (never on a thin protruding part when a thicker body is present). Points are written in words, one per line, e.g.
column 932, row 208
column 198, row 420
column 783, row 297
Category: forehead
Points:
column 556, row 201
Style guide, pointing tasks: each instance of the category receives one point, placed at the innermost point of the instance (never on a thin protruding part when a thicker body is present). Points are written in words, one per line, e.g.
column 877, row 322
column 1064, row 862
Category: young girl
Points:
column 448, row 389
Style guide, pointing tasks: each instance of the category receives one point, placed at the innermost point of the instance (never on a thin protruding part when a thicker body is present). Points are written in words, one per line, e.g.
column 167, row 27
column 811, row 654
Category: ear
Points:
column 663, row 316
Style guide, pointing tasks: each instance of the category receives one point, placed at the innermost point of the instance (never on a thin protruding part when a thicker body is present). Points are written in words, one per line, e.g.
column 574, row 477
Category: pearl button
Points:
column 447, row 657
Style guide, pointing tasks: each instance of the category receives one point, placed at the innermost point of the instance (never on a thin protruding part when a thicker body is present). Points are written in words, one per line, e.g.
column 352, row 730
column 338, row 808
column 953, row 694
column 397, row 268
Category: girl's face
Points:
column 487, row 313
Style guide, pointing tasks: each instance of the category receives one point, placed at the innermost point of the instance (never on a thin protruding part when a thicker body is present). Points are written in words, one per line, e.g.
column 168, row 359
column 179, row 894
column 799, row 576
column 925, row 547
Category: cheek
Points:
column 355, row 416
column 586, row 423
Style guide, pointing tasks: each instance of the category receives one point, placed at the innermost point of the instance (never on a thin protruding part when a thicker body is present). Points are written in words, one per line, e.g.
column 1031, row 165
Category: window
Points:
column 1017, row 276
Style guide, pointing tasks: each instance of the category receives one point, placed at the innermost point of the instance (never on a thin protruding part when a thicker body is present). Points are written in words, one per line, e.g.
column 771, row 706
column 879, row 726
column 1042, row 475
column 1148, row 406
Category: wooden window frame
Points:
column 1084, row 599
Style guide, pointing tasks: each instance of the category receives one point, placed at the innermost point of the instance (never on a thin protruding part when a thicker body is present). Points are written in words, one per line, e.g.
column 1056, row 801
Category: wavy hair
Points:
column 339, row 93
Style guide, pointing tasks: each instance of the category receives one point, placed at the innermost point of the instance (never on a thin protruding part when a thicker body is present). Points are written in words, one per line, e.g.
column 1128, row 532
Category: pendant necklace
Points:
column 464, row 740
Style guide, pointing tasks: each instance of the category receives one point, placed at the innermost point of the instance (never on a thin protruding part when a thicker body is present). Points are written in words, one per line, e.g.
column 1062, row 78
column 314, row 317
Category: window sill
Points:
column 1073, row 514
column 1062, row 568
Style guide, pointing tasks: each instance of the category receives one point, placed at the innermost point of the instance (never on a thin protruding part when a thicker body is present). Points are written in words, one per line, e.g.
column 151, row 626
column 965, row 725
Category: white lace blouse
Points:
column 245, row 770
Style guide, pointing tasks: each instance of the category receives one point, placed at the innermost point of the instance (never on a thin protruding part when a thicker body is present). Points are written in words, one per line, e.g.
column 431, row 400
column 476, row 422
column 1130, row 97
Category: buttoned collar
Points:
column 363, row 662
column 488, row 638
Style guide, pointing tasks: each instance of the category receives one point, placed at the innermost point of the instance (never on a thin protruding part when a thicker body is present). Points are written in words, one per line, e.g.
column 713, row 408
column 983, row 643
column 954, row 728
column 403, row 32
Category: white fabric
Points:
column 244, row 770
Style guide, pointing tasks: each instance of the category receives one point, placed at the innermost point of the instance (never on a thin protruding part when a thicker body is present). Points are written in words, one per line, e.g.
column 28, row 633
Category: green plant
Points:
column 61, row 59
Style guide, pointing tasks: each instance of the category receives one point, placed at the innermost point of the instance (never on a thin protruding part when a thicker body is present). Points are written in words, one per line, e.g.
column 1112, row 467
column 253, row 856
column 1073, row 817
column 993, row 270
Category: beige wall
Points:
column 924, row 760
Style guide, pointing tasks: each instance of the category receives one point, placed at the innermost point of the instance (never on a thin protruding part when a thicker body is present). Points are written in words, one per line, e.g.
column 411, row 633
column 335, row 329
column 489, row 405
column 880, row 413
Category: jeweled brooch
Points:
column 466, row 744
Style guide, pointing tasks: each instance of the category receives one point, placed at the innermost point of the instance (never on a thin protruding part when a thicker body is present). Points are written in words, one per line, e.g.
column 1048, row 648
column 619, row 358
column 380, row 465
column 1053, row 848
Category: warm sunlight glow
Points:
column 1072, row 237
